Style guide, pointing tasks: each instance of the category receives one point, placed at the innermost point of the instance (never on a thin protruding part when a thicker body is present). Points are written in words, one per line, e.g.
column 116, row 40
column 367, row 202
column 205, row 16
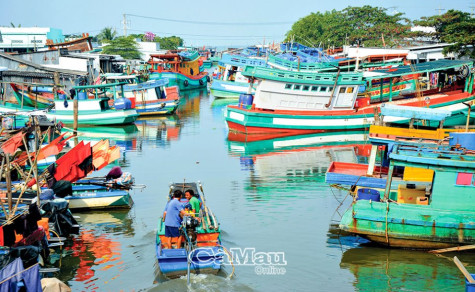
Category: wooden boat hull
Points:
column 108, row 117
column 255, row 121
column 99, row 199
column 228, row 89
column 173, row 262
column 178, row 79
column 156, row 107
column 409, row 225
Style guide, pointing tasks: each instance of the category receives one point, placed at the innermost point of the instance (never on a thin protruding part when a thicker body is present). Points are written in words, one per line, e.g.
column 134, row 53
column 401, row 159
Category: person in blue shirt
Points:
column 173, row 217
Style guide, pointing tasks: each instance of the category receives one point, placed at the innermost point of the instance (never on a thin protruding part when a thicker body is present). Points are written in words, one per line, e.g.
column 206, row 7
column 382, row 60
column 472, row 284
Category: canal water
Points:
column 269, row 196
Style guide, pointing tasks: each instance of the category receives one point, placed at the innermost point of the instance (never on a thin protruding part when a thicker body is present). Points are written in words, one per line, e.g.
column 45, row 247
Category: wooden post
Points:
column 372, row 160
column 387, row 190
column 75, row 123
column 390, row 89
column 464, row 271
column 8, row 180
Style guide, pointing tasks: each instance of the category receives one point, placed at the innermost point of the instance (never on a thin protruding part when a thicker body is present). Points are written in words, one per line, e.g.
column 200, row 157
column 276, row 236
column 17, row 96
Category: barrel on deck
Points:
column 82, row 95
column 245, row 100
column 368, row 194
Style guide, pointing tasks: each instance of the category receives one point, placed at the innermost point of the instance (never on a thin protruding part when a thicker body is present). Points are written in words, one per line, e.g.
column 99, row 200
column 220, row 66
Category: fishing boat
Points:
column 228, row 82
column 383, row 135
column 181, row 68
column 151, row 97
column 202, row 252
column 89, row 195
column 301, row 103
column 40, row 97
column 94, row 107
column 434, row 215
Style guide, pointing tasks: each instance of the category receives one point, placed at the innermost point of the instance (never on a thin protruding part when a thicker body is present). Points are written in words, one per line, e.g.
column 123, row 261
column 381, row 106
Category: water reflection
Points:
column 287, row 162
column 96, row 253
column 158, row 131
column 384, row 269
column 190, row 103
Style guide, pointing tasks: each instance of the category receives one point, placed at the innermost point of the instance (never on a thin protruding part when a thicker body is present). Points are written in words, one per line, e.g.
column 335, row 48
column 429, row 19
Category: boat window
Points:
column 464, row 179
column 306, row 88
column 330, row 88
column 297, row 87
column 350, row 90
column 323, row 89
column 288, row 86
column 342, row 89
column 314, row 88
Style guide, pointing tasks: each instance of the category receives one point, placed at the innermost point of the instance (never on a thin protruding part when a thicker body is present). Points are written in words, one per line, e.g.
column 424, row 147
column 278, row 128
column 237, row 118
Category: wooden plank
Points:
column 464, row 271
column 372, row 160
column 456, row 248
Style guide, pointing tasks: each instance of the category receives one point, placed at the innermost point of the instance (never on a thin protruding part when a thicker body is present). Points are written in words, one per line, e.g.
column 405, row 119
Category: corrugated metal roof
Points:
column 432, row 66
column 42, row 68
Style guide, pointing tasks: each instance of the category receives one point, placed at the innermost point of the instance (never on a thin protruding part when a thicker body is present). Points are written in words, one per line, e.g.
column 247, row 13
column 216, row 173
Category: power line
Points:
column 211, row 23
column 203, row 35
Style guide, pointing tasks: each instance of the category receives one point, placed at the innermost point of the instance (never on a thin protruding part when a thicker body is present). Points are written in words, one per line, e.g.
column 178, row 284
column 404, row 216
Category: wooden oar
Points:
column 464, row 271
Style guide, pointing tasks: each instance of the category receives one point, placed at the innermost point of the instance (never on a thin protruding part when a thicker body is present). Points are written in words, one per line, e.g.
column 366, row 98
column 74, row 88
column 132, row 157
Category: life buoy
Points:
column 201, row 82
column 186, row 83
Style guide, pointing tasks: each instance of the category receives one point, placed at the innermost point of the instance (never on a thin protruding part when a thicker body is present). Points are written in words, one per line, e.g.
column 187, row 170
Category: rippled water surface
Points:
column 268, row 195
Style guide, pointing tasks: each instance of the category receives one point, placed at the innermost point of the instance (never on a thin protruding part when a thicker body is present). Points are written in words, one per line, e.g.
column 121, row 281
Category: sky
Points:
column 198, row 22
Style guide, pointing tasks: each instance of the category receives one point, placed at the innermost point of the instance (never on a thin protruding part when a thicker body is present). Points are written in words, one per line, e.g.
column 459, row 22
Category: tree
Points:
column 107, row 34
column 366, row 26
column 126, row 47
column 454, row 27
column 169, row 43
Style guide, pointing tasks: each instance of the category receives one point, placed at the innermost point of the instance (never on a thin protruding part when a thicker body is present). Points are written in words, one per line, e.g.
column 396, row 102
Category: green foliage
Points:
column 454, row 27
column 107, row 34
column 124, row 46
column 353, row 25
column 169, row 43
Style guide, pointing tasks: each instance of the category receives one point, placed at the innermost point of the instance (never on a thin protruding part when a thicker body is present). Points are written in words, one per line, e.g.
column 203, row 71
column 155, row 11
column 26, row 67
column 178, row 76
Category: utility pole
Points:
column 125, row 24
column 471, row 8
column 440, row 9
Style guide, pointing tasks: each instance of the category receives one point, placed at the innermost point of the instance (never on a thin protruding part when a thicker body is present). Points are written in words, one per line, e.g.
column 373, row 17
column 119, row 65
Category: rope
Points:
column 18, row 273
column 230, row 257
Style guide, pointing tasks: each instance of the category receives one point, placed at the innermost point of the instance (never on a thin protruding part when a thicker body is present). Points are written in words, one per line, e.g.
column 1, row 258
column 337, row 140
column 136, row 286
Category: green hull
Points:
column 409, row 225
column 224, row 94
column 182, row 81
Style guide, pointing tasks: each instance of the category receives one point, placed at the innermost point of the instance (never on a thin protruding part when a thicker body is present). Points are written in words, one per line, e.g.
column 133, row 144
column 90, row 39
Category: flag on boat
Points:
column 13, row 143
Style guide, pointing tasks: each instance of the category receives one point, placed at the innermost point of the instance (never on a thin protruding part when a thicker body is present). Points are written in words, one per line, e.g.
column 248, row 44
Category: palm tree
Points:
column 106, row 34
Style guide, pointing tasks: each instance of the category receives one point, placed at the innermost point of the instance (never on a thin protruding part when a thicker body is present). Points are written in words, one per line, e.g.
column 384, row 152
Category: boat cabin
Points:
column 185, row 62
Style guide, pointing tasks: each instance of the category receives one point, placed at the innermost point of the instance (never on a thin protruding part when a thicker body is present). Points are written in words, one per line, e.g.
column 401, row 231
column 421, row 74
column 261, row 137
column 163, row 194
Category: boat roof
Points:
column 434, row 157
column 412, row 112
column 431, row 66
column 302, row 77
column 99, row 85
column 118, row 76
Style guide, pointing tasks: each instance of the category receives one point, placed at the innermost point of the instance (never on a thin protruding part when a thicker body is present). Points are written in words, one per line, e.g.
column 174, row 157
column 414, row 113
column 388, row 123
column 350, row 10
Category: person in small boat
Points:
column 195, row 204
column 173, row 215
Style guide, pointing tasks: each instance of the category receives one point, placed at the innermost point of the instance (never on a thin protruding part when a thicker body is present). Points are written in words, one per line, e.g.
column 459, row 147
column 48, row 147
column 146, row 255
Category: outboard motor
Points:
column 190, row 223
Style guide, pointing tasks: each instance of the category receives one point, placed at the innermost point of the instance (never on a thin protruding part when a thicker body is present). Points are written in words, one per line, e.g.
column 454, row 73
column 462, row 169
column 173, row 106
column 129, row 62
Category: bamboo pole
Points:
column 8, row 180
column 75, row 123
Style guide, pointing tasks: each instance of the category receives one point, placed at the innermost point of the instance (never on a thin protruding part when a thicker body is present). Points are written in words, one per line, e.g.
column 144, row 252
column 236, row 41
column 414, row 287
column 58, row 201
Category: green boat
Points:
column 435, row 213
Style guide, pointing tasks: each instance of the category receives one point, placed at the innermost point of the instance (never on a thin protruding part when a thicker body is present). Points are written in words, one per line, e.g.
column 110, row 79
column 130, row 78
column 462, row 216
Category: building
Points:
column 27, row 39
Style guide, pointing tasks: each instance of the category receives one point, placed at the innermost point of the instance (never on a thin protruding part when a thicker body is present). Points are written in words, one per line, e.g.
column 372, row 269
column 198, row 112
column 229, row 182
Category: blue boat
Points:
column 202, row 252
column 228, row 82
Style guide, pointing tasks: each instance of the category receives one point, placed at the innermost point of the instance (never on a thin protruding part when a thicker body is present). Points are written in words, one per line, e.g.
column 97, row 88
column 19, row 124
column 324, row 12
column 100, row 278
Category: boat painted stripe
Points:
column 459, row 225
column 236, row 116
column 320, row 139
column 106, row 115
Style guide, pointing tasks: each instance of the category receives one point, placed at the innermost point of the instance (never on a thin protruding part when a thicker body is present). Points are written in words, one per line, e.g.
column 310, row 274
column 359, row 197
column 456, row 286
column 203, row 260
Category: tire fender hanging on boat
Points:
column 186, row 83
column 201, row 82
